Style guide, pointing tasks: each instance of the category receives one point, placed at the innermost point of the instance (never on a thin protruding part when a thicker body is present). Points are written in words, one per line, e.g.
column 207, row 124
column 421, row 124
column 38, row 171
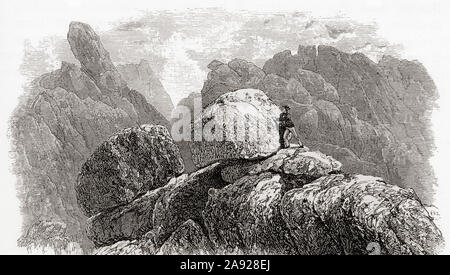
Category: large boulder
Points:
column 127, row 165
column 184, row 198
column 339, row 214
column 239, row 125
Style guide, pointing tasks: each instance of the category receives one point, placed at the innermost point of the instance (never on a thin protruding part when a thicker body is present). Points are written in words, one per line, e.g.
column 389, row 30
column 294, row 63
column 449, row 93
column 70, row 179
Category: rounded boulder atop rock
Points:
column 238, row 125
column 126, row 165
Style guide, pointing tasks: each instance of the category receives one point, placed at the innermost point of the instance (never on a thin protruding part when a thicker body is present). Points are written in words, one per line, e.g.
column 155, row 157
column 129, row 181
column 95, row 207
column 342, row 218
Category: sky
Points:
column 176, row 42
column 33, row 27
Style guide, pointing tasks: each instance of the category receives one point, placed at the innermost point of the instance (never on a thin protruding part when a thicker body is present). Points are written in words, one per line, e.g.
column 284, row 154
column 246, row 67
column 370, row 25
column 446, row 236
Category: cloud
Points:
column 180, row 44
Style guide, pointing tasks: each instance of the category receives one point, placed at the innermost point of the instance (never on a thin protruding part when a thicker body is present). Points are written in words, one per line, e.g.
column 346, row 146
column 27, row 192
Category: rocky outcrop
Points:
column 128, row 222
column 239, row 125
column 246, row 214
column 60, row 120
column 382, row 114
column 374, row 118
column 298, row 162
column 224, row 78
column 143, row 246
column 339, row 214
column 160, row 211
column 249, row 196
column 186, row 106
column 51, row 234
column 294, row 202
column 94, row 59
column 293, row 161
column 140, row 77
column 188, row 239
column 126, row 165
column 185, row 198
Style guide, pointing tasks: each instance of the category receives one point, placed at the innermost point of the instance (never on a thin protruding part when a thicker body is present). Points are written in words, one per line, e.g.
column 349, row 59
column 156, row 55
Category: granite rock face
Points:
column 382, row 114
column 294, row 202
column 94, row 59
column 185, row 198
column 144, row 246
column 239, row 125
column 223, row 78
column 292, row 161
column 246, row 214
column 160, row 211
column 128, row 222
column 338, row 214
column 373, row 117
column 128, row 164
column 169, row 218
column 60, row 120
column 188, row 239
column 187, row 107
column 298, row 162
column 140, row 77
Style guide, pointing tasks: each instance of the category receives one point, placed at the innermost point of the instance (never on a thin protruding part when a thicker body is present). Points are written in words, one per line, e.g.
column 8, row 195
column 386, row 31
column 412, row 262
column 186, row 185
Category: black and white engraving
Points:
column 271, row 133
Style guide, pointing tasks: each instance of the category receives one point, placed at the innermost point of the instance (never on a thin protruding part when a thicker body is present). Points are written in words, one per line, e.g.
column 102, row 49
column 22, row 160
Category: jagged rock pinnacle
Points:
column 94, row 59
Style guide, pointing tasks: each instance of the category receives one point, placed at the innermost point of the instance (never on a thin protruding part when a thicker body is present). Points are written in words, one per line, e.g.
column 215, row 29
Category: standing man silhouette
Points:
column 287, row 129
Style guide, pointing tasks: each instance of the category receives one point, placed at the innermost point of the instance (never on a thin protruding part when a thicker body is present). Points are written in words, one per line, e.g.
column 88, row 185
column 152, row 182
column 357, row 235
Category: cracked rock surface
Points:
column 340, row 214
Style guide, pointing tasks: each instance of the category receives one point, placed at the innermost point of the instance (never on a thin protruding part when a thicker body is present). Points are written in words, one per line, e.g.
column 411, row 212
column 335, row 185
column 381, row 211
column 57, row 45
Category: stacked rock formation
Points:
column 292, row 201
column 373, row 117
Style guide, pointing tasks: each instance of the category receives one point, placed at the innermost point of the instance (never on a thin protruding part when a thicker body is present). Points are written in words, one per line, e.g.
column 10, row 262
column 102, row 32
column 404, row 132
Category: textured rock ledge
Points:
column 340, row 214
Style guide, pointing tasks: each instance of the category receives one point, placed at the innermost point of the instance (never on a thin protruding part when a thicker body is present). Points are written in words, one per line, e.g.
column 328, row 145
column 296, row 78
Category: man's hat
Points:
column 286, row 107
